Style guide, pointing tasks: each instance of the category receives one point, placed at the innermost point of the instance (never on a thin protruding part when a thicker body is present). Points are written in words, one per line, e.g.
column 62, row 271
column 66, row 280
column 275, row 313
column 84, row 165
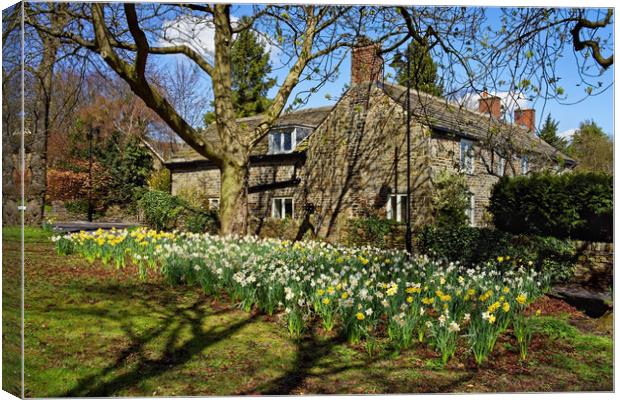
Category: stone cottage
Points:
column 332, row 163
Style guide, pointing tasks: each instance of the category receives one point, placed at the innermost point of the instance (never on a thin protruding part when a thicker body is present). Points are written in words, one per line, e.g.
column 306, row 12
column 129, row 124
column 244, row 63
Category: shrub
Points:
column 286, row 228
column 471, row 246
column 450, row 199
column 160, row 180
column 574, row 205
column 372, row 230
column 198, row 221
column 160, row 210
column 163, row 211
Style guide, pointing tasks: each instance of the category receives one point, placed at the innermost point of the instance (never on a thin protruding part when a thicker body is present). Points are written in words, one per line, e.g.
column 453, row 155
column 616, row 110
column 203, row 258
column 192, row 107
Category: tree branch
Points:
column 142, row 44
column 291, row 80
column 593, row 45
column 151, row 97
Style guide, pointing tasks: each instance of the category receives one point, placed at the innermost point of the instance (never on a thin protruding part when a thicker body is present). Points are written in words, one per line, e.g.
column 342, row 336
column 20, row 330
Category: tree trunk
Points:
column 234, row 198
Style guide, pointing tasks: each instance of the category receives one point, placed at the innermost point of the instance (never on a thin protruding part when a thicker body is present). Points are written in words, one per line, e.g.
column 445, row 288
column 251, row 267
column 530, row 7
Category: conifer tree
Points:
column 423, row 70
column 549, row 133
column 250, row 82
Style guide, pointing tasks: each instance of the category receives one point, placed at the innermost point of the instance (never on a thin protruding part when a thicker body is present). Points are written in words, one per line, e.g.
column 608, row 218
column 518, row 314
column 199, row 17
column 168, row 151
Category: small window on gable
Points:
column 214, row 203
column 282, row 207
column 467, row 156
column 525, row 165
column 397, row 207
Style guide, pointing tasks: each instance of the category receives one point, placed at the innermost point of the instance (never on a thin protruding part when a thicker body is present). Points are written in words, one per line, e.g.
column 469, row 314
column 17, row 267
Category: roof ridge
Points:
column 466, row 109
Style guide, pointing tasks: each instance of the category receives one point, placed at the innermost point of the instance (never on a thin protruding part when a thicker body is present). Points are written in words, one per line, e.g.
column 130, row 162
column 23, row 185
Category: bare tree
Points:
column 126, row 37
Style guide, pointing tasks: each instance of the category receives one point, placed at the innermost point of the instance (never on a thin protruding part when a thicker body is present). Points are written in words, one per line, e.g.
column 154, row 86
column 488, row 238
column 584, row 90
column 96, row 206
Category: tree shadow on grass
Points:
column 316, row 359
column 108, row 382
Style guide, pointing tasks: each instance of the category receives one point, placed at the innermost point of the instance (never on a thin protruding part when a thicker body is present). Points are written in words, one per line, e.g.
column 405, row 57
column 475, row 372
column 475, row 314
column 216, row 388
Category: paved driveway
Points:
column 75, row 226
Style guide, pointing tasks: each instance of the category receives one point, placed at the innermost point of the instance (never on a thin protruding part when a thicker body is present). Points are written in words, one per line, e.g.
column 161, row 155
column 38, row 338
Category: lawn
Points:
column 98, row 331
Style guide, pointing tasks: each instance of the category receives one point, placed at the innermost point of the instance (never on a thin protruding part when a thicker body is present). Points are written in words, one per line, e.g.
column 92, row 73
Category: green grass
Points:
column 93, row 330
column 13, row 233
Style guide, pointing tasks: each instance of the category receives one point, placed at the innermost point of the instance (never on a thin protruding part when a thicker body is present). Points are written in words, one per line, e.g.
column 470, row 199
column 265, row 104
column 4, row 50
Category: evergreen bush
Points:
column 573, row 205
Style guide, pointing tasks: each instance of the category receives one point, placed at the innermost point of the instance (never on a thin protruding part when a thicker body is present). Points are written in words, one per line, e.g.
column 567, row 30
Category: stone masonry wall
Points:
column 595, row 265
column 206, row 182
column 357, row 157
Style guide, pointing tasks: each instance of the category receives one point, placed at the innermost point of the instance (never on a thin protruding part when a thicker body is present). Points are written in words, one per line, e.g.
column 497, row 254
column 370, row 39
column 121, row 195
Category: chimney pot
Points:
column 366, row 62
column 490, row 105
column 526, row 118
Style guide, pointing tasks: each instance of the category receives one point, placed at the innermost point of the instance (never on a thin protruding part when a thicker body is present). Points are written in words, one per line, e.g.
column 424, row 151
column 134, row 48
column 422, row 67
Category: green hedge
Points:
column 471, row 246
column 573, row 205
column 163, row 211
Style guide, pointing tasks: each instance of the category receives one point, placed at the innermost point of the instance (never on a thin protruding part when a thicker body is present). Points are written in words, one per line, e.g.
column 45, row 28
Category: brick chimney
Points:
column 490, row 105
column 366, row 62
column 526, row 118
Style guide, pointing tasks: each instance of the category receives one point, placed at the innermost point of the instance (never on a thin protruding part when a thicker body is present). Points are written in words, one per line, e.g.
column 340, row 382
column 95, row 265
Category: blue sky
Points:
column 599, row 108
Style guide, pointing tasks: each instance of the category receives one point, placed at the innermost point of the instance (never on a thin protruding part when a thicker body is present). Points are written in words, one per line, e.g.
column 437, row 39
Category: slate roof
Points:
column 456, row 119
column 308, row 117
column 436, row 112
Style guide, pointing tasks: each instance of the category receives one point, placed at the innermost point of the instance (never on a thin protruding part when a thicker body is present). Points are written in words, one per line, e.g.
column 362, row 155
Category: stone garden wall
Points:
column 595, row 265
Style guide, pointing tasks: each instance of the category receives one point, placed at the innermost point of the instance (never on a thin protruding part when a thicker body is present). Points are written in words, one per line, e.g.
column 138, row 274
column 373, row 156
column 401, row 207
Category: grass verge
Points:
column 93, row 330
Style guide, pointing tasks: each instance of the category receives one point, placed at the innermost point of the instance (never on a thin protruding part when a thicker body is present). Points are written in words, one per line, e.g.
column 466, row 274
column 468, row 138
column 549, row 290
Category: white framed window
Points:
column 285, row 140
column 471, row 210
column 282, row 207
column 501, row 166
column 397, row 207
column 214, row 203
column 525, row 165
column 467, row 156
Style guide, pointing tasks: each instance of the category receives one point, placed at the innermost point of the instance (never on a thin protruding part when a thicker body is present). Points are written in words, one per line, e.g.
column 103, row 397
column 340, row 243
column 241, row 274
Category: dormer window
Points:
column 284, row 140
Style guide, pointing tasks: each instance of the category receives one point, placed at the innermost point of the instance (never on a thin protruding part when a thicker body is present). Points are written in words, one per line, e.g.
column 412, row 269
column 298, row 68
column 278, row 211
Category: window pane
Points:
column 301, row 134
column 288, row 208
column 214, row 204
column 392, row 208
column 287, row 142
column 276, row 211
column 275, row 142
column 403, row 208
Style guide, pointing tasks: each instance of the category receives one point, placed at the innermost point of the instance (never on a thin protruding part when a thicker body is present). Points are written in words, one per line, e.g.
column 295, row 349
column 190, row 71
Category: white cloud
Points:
column 199, row 34
column 567, row 134
column 510, row 101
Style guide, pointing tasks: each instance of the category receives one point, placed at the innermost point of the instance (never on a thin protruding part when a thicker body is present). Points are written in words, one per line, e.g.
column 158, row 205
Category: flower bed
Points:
column 363, row 293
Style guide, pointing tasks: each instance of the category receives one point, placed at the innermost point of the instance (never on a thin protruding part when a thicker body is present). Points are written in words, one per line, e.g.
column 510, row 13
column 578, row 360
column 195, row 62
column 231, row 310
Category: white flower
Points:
column 385, row 303
column 454, row 327
column 466, row 317
column 429, row 324
column 442, row 320
column 369, row 312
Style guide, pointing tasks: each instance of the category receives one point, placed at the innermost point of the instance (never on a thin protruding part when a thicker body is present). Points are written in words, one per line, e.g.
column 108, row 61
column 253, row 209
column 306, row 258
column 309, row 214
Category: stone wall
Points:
column 595, row 265
column 206, row 183
column 355, row 159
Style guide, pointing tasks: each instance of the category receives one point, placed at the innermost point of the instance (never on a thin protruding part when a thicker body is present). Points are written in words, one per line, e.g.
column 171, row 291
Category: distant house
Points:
column 345, row 160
